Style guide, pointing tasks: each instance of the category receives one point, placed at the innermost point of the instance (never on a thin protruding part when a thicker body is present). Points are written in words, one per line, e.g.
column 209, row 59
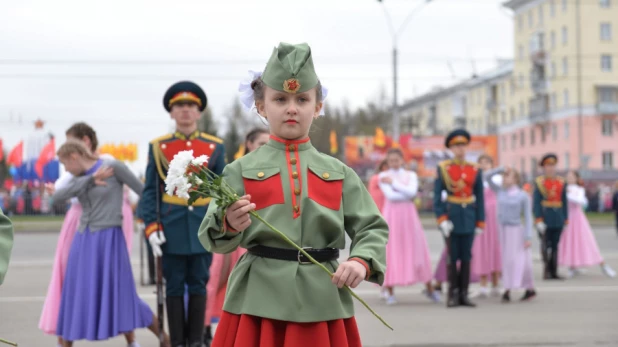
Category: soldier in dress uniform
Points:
column 461, row 216
column 185, row 261
column 550, row 212
column 6, row 243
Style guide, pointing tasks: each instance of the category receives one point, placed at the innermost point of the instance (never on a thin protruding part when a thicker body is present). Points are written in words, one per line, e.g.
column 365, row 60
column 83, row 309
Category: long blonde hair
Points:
column 75, row 146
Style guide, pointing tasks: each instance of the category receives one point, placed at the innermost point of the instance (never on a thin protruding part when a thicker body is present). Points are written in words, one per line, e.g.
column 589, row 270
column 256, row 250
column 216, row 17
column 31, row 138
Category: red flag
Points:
column 47, row 154
column 16, row 155
column 1, row 151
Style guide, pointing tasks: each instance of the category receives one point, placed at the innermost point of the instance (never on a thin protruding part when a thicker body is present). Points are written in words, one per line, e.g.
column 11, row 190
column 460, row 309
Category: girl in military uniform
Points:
column 276, row 297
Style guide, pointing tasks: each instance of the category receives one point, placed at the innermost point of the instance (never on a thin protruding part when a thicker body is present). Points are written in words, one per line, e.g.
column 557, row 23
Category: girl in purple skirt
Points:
column 515, row 237
column 99, row 300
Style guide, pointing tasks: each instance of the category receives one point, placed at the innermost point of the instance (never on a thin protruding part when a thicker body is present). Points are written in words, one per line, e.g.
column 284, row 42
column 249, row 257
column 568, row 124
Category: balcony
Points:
column 607, row 108
column 539, row 109
column 537, row 48
column 540, row 86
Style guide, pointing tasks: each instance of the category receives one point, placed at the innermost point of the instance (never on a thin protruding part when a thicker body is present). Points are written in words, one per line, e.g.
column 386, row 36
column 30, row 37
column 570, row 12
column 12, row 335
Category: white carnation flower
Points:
column 176, row 181
column 200, row 160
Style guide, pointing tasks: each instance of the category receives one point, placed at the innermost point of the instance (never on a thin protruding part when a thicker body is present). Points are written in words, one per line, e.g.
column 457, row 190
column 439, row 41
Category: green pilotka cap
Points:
column 290, row 69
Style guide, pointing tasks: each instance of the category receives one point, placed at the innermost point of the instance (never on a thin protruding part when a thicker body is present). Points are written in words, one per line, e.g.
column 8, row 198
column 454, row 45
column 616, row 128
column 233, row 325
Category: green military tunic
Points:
column 315, row 200
column 6, row 243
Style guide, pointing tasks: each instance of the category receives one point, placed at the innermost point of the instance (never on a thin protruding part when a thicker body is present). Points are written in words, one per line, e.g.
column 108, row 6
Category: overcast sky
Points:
column 68, row 61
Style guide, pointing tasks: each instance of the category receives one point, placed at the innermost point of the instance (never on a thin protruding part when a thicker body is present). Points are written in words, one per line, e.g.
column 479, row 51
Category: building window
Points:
column 565, row 37
column 566, row 131
column 543, row 134
column 523, row 166
column 554, row 132
column 541, row 15
column 608, row 160
column 503, row 113
column 521, row 52
column 566, row 98
column 522, row 138
column 552, row 8
column 521, row 80
column 504, row 143
column 565, row 66
column 605, row 3
column 553, row 69
column 552, row 39
column 606, row 31
column 567, row 159
column 533, row 165
column 520, row 21
column 607, row 127
column 512, row 114
column 513, row 141
column 606, row 63
column 564, row 5
column 554, row 101
column 530, row 19
column 521, row 110
column 532, row 136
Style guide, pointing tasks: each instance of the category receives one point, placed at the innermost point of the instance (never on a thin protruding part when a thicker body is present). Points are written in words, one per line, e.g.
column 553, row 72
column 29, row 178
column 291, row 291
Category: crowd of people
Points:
column 222, row 264
column 496, row 248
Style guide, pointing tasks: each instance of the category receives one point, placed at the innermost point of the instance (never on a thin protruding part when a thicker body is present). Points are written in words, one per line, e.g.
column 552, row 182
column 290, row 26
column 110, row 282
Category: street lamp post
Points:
column 395, row 36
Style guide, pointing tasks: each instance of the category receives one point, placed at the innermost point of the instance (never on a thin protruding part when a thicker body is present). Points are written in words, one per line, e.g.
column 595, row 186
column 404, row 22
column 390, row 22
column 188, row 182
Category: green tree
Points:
column 206, row 123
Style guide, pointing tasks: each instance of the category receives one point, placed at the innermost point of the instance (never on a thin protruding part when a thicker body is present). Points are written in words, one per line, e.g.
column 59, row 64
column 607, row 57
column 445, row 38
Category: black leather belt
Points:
column 321, row 255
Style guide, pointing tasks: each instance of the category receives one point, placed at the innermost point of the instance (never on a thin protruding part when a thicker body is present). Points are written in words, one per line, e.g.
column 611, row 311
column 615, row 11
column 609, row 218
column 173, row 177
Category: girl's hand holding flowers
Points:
column 237, row 215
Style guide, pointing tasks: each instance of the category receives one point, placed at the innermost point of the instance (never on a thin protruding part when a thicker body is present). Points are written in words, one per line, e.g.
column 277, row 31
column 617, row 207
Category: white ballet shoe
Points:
column 391, row 300
column 608, row 271
column 134, row 344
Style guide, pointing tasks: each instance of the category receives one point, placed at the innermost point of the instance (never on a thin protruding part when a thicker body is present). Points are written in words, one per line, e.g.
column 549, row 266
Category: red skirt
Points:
column 251, row 331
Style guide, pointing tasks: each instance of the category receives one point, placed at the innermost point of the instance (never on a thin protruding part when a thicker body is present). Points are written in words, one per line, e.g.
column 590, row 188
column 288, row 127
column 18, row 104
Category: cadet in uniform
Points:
column 550, row 213
column 185, row 261
column 461, row 216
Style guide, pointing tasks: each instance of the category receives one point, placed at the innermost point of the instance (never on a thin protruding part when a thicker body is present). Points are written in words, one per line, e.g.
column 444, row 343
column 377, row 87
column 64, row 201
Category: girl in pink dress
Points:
column 486, row 258
column 51, row 306
column 407, row 252
column 374, row 186
column 222, row 264
column 578, row 247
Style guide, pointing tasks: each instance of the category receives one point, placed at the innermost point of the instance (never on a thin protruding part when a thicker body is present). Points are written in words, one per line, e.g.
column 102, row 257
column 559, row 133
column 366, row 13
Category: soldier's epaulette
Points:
column 540, row 186
column 445, row 162
column 211, row 138
column 162, row 138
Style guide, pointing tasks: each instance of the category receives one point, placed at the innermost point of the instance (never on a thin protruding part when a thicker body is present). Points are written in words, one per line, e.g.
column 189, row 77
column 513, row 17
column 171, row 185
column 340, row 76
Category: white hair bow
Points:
column 246, row 93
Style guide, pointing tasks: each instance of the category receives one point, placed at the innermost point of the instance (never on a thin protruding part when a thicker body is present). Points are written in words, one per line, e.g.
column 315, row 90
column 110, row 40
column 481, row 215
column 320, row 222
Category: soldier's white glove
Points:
column 541, row 227
column 446, row 227
column 478, row 231
column 156, row 242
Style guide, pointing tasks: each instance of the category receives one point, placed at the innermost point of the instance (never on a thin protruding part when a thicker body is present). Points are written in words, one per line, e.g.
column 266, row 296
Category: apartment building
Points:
column 566, row 79
column 559, row 94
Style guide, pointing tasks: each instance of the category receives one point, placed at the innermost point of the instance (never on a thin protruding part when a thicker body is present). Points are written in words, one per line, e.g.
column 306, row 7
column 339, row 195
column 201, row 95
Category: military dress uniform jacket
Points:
column 180, row 221
column 550, row 202
column 464, row 205
column 315, row 200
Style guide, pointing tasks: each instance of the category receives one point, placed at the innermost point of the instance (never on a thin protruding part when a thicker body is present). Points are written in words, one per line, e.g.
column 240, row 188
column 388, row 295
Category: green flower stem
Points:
column 8, row 342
